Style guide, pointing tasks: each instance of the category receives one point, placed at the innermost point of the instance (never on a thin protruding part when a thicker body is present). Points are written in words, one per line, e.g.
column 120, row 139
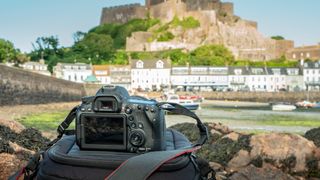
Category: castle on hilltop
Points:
column 124, row 13
column 218, row 25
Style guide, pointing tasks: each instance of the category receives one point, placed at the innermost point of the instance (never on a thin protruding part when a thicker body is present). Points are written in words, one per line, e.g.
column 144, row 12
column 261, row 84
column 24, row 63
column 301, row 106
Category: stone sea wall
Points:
column 18, row 86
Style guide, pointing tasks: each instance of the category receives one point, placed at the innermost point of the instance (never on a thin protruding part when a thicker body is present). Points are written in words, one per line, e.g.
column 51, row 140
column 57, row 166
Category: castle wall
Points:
column 282, row 46
column 227, row 8
column 123, row 14
column 167, row 10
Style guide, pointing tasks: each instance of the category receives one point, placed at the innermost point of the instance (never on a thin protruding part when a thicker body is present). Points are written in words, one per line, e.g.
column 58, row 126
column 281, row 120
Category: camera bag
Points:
column 64, row 160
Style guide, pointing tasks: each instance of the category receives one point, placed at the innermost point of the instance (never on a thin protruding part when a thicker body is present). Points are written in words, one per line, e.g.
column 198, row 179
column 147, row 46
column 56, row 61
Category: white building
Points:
column 37, row 67
column 238, row 79
column 102, row 73
column 120, row 75
column 77, row 72
column 311, row 73
column 294, row 79
column 201, row 78
column 150, row 74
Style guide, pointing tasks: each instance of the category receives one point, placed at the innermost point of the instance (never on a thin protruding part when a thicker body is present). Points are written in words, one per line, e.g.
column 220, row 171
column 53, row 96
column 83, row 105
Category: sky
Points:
column 22, row 21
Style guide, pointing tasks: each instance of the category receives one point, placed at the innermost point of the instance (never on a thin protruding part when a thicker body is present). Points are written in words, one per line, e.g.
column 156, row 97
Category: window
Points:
column 139, row 64
column 69, row 77
column 159, row 64
column 238, row 71
column 294, row 56
column 308, row 55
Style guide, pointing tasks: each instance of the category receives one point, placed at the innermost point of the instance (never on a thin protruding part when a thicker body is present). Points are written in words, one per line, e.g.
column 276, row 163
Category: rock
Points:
column 221, row 175
column 216, row 166
column 220, row 128
column 242, row 159
column 265, row 173
column 234, row 136
column 314, row 135
column 8, row 164
column 287, row 151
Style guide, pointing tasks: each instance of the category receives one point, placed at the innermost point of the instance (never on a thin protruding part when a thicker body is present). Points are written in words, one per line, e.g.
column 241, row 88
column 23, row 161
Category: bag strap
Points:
column 179, row 109
column 143, row 166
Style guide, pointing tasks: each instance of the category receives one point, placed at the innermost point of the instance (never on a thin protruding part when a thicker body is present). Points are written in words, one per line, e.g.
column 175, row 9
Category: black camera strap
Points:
column 62, row 128
column 181, row 110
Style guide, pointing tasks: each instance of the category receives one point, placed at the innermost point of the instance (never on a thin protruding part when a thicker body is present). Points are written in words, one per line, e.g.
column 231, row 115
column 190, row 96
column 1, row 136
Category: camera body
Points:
column 113, row 120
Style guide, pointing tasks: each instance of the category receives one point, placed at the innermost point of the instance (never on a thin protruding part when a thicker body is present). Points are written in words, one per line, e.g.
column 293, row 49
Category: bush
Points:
column 167, row 36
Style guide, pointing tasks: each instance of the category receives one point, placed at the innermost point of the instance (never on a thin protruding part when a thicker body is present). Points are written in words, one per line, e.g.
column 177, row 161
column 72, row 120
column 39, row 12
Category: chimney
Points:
column 302, row 62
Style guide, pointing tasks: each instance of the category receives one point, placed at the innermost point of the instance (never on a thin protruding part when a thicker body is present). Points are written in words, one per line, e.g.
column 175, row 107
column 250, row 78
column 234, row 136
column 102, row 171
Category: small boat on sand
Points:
column 189, row 104
column 283, row 107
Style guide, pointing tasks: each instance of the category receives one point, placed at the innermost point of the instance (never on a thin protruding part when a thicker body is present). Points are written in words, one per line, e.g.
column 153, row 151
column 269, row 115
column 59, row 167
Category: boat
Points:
column 194, row 98
column 305, row 104
column 283, row 107
column 189, row 104
column 317, row 105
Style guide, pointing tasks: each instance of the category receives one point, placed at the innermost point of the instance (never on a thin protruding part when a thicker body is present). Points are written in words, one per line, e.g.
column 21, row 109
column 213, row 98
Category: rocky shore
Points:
column 232, row 155
column 238, row 156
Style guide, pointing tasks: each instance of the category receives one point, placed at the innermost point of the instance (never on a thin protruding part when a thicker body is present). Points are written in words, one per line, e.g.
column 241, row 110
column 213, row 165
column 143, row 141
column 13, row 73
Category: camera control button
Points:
column 128, row 110
column 152, row 110
column 139, row 107
column 83, row 109
column 131, row 118
column 89, row 109
column 140, row 125
column 133, row 125
column 147, row 108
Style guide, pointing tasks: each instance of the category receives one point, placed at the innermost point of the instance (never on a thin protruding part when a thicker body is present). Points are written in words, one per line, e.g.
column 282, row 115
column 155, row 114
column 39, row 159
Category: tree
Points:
column 78, row 36
column 45, row 47
column 278, row 37
column 7, row 51
column 97, row 47
column 215, row 55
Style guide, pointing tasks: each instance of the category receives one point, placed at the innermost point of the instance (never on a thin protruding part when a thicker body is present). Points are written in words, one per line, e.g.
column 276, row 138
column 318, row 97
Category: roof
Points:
column 199, row 70
column 91, row 79
column 64, row 65
column 151, row 64
column 244, row 70
column 312, row 64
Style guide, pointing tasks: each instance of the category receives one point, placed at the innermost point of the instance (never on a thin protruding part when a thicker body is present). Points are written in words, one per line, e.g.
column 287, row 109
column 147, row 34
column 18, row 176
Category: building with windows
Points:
column 37, row 67
column 238, row 78
column 150, row 74
column 120, row 75
column 304, row 52
column 102, row 73
column 77, row 72
column 201, row 78
column 311, row 75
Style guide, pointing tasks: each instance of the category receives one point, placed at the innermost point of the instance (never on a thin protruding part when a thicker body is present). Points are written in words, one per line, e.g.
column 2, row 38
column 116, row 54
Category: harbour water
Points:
column 253, row 117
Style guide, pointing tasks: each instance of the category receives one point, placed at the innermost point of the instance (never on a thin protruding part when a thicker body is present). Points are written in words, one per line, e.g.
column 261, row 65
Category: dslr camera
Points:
column 114, row 120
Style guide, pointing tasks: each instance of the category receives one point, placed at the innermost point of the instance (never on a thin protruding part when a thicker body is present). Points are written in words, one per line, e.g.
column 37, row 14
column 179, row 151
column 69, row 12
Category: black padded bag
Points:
column 64, row 160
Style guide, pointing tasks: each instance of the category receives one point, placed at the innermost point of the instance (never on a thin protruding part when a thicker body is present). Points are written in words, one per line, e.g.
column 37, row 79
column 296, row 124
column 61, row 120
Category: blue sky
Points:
column 22, row 21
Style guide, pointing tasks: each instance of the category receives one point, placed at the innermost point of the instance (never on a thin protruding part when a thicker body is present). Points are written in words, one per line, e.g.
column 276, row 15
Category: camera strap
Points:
column 181, row 110
column 141, row 167
column 66, row 123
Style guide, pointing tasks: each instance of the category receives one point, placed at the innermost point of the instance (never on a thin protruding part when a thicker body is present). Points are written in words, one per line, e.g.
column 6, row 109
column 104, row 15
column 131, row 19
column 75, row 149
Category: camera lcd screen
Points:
column 104, row 130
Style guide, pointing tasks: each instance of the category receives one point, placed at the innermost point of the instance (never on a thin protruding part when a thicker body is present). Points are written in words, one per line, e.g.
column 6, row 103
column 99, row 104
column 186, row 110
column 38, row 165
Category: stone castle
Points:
column 218, row 25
